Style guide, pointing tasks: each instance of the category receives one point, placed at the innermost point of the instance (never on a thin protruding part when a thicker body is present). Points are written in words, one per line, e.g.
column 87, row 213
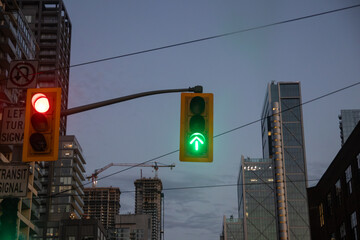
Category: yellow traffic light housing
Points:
column 196, row 127
column 42, row 124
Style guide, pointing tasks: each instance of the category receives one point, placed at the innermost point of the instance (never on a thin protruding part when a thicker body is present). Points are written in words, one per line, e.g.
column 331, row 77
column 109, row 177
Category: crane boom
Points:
column 93, row 176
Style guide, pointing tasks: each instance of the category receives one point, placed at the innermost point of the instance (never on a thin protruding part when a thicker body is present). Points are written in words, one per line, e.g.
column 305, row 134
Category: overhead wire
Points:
column 218, row 135
column 192, row 187
column 205, row 39
column 198, row 40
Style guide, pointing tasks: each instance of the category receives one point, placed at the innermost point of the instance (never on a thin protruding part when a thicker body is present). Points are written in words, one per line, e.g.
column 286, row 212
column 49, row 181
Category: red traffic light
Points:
column 40, row 103
column 42, row 124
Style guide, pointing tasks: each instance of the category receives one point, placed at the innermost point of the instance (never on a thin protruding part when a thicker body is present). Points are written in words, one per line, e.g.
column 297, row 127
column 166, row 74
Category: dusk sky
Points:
column 321, row 52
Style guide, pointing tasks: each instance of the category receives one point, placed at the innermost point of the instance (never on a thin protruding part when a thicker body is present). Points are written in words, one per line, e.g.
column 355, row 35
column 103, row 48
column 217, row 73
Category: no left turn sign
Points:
column 23, row 74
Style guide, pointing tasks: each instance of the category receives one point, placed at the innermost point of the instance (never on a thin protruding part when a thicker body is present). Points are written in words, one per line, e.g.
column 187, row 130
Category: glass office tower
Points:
column 283, row 142
column 256, row 196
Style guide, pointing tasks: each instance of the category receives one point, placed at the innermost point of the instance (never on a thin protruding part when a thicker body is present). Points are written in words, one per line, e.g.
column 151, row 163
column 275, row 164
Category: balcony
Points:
column 7, row 45
column 5, row 59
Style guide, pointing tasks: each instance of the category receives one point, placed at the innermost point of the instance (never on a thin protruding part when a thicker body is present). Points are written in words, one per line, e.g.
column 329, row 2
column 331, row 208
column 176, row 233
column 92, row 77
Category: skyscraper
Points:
column 17, row 42
column 256, row 196
column 64, row 189
column 283, row 142
column 51, row 25
column 148, row 201
column 102, row 203
column 348, row 120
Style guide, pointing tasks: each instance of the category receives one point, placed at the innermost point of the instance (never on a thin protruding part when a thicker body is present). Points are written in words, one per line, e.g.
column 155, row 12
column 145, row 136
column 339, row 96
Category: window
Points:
column 321, row 214
column 342, row 231
column 338, row 191
column 67, row 145
column 51, row 232
column 28, row 19
column 348, row 176
column 354, row 224
column 329, row 207
column 65, row 180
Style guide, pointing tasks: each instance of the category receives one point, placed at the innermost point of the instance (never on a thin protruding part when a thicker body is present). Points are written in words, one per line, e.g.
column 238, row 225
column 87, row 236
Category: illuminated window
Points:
column 68, row 145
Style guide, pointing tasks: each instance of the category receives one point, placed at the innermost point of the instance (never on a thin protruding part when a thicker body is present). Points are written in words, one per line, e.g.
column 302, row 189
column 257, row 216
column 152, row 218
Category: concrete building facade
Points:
column 17, row 42
column 62, row 188
column 102, row 203
column 50, row 22
column 133, row 227
column 73, row 229
column 148, row 200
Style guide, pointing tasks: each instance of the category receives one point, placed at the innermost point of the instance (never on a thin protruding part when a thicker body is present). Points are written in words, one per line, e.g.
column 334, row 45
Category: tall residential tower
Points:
column 148, row 201
column 50, row 22
column 283, row 142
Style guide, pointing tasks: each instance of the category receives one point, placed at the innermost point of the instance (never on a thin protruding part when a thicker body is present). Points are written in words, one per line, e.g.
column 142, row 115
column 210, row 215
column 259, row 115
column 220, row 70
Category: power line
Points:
column 221, row 134
column 216, row 36
column 191, row 187
column 199, row 39
column 209, row 38
column 240, row 127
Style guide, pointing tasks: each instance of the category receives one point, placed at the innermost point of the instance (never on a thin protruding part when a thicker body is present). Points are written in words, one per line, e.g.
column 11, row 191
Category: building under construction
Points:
column 102, row 203
column 148, row 201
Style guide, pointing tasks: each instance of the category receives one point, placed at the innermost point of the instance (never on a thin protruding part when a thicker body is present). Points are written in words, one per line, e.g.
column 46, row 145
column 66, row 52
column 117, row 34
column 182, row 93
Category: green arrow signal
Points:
column 196, row 139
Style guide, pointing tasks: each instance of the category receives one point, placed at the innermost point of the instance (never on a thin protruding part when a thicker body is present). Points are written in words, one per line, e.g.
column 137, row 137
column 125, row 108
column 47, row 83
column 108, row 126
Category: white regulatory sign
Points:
column 12, row 130
column 23, row 74
column 13, row 180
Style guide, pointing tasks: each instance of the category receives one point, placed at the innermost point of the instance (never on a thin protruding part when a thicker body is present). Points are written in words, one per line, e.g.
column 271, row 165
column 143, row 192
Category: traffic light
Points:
column 42, row 124
column 8, row 218
column 196, row 127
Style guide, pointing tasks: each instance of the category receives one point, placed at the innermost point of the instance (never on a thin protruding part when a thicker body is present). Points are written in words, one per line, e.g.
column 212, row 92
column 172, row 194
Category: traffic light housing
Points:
column 196, row 127
column 42, row 124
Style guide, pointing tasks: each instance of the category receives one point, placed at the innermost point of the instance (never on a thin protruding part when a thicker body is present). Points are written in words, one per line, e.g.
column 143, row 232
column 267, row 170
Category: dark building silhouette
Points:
column 334, row 203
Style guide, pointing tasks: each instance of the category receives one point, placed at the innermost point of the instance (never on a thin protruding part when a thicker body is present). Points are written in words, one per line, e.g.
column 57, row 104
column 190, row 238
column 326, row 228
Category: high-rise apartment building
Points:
column 283, row 142
column 256, row 198
column 50, row 22
column 348, row 119
column 148, row 200
column 17, row 42
column 102, row 203
column 62, row 192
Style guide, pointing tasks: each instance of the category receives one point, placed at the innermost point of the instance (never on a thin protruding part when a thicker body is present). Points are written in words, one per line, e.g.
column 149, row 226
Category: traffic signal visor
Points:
column 42, row 124
column 196, row 127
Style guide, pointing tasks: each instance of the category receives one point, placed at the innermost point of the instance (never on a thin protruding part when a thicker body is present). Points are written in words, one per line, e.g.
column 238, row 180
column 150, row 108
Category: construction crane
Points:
column 156, row 166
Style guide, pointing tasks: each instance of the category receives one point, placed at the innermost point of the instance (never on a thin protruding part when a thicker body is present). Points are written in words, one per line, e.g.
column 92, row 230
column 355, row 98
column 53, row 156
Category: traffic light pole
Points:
column 196, row 89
